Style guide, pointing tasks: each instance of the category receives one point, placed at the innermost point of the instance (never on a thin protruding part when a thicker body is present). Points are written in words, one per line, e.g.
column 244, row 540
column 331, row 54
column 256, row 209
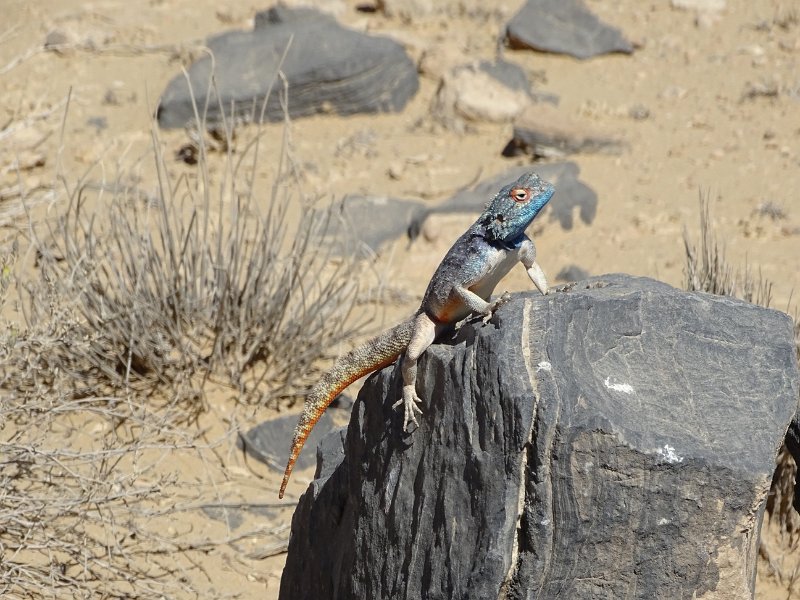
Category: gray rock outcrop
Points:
column 615, row 439
column 328, row 68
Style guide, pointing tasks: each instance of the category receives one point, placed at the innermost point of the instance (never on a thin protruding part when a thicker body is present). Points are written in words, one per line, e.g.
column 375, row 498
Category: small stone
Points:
column 395, row 170
column 336, row 8
column 673, row 92
column 99, row 123
column 706, row 20
column 699, row 5
column 639, row 112
column 407, row 10
column 492, row 92
column 111, row 98
column 761, row 89
column 57, row 40
column 481, row 98
column 755, row 50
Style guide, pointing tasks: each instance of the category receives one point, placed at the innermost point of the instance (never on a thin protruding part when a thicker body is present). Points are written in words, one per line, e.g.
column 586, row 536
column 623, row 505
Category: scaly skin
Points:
column 461, row 285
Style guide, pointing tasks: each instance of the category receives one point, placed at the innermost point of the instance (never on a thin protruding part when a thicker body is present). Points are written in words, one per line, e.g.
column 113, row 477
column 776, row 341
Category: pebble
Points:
column 699, row 5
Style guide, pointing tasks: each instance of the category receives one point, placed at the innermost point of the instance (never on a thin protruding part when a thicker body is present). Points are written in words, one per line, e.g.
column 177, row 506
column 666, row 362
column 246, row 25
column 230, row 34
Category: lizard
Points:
column 461, row 285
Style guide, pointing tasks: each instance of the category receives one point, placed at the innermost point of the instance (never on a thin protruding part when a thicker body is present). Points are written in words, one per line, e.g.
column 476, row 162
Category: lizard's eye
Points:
column 520, row 194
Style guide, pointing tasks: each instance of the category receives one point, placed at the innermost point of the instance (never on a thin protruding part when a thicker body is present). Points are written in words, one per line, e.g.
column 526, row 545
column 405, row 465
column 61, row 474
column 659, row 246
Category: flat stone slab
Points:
column 328, row 68
column 544, row 131
column 614, row 439
column 563, row 27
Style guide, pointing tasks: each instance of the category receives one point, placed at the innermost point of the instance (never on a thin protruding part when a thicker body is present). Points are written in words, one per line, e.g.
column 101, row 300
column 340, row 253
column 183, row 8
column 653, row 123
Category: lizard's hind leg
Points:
column 425, row 331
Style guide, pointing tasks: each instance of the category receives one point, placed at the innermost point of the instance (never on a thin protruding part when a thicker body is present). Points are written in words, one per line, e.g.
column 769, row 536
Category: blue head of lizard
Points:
column 512, row 209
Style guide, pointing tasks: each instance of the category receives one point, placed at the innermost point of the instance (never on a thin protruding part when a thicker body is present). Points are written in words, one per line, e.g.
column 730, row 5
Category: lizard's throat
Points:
column 505, row 233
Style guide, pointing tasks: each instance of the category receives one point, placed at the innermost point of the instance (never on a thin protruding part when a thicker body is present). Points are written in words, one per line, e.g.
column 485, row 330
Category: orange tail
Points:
column 371, row 356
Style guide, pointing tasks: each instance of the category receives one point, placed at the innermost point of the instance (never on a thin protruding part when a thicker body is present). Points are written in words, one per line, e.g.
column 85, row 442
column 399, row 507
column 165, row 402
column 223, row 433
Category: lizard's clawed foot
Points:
column 409, row 402
column 498, row 302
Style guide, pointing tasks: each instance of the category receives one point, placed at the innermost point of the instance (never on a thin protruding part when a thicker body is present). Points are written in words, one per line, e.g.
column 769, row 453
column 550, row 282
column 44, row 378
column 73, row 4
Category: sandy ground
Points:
column 722, row 93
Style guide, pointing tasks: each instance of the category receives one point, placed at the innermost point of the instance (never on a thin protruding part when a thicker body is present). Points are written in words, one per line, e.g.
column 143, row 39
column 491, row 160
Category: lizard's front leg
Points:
column 527, row 256
column 480, row 306
column 425, row 331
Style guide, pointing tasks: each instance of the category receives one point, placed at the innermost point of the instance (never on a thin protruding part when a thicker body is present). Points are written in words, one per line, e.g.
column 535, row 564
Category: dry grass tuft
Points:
column 707, row 270
column 198, row 278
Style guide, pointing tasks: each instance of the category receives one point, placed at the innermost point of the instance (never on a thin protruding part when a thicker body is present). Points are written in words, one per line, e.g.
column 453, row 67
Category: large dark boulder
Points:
column 328, row 68
column 614, row 439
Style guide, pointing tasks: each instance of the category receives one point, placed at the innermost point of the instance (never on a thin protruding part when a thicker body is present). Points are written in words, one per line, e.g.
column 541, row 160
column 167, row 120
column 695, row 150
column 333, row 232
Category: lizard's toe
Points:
column 498, row 302
column 409, row 402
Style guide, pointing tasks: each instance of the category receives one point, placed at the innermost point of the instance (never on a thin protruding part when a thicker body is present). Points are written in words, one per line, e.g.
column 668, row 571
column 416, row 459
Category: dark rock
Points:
column 510, row 75
column 570, row 194
column 55, row 39
column 614, row 439
column 543, row 131
column 563, row 27
column 328, row 69
column 269, row 442
column 639, row 112
column 99, row 123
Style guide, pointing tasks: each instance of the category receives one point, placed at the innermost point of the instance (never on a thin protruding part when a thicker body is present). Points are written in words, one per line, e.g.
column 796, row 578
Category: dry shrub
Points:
column 707, row 270
column 137, row 298
column 201, row 277
column 69, row 500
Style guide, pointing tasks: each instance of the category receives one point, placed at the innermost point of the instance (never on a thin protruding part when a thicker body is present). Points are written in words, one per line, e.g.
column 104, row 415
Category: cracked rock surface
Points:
column 613, row 439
